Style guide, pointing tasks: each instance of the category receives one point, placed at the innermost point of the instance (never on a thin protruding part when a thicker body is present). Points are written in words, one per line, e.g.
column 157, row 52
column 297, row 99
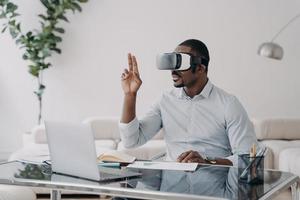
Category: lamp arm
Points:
column 285, row 26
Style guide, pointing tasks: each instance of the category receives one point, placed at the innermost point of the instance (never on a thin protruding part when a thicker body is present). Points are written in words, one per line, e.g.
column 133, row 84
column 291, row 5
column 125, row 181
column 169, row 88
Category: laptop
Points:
column 73, row 152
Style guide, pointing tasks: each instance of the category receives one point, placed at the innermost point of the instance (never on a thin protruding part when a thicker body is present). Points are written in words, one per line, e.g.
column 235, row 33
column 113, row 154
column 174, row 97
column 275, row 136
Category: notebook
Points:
column 72, row 152
column 116, row 156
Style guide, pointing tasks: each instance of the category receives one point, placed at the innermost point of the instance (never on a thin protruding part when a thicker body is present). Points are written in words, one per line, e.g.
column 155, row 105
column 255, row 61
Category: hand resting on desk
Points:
column 190, row 156
column 194, row 157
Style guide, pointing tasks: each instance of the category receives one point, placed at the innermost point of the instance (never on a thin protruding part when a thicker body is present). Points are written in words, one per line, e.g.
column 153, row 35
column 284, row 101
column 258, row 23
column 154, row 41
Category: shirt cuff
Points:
column 129, row 129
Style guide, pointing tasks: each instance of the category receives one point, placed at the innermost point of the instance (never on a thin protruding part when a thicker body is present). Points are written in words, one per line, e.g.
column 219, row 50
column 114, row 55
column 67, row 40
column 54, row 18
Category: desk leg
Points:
column 55, row 195
column 295, row 191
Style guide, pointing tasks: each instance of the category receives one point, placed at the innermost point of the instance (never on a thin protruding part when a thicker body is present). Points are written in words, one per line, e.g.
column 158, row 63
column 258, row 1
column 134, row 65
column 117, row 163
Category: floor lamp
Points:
column 271, row 49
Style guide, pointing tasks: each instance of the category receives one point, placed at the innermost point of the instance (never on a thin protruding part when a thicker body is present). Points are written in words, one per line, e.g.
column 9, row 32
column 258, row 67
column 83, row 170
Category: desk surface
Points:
column 207, row 182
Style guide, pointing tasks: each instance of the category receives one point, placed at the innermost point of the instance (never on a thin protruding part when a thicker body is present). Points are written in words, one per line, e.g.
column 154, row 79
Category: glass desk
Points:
column 207, row 182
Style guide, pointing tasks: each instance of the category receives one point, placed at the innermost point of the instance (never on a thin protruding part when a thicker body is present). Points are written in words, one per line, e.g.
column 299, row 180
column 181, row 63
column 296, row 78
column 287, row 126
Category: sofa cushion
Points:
column 104, row 128
column 146, row 151
column 105, row 144
column 109, row 128
column 275, row 147
column 33, row 152
column 277, row 128
column 289, row 160
column 39, row 134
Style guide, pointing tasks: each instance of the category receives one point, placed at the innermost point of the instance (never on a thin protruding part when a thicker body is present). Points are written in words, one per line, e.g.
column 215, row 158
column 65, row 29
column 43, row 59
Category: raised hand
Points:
column 130, row 78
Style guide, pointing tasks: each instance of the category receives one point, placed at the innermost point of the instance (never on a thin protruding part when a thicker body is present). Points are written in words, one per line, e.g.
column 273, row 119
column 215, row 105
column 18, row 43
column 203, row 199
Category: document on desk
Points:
column 164, row 165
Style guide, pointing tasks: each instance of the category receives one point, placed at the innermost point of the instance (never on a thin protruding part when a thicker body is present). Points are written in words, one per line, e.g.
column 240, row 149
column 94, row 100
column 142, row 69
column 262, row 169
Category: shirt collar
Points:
column 204, row 93
column 206, row 90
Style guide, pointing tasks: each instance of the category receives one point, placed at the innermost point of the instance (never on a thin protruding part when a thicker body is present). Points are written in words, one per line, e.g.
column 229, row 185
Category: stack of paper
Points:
column 164, row 165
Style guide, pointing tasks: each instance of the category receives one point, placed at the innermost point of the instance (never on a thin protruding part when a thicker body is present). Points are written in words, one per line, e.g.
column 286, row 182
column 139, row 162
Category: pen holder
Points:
column 251, row 169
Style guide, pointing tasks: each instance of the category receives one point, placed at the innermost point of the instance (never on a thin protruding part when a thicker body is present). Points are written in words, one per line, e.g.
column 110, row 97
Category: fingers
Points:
column 125, row 74
column 195, row 160
column 183, row 155
column 135, row 65
column 130, row 66
column 190, row 157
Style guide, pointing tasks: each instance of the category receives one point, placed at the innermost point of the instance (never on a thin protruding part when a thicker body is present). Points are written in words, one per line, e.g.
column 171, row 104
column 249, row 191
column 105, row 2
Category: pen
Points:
column 252, row 173
column 253, row 151
column 261, row 154
column 157, row 156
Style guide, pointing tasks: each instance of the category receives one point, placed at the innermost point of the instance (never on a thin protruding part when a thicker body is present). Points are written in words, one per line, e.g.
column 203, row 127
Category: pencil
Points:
column 253, row 151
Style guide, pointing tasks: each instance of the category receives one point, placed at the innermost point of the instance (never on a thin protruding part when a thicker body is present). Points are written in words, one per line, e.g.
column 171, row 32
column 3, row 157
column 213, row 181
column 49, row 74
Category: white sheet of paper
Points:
column 164, row 165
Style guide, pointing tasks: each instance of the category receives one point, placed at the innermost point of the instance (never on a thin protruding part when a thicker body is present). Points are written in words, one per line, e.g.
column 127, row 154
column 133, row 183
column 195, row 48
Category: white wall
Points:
column 85, row 79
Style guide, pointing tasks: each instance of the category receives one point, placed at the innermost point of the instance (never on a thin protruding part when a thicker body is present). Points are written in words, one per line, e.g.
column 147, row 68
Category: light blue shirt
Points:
column 213, row 123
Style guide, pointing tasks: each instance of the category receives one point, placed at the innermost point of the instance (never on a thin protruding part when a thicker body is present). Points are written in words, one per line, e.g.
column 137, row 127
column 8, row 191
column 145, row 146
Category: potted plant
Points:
column 39, row 45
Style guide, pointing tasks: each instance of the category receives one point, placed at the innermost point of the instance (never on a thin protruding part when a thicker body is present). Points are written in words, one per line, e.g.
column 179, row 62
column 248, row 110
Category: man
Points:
column 202, row 123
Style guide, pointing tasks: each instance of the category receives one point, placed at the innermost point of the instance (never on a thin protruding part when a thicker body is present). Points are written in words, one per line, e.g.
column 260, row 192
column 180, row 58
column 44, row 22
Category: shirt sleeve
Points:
column 240, row 130
column 138, row 132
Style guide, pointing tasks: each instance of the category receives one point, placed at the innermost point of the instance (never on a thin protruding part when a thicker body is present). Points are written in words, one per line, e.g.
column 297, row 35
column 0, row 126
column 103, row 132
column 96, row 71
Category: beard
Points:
column 178, row 83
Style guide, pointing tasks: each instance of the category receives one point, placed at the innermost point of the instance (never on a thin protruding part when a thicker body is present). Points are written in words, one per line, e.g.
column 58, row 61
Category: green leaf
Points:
column 34, row 70
column 46, row 4
column 42, row 87
column 40, row 90
column 10, row 7
column 13, row 32
column 5, row 27
column 63, row 18
column 45, row 66
column 21, row 40
column 56, row 38
column 18, row 41
column 59, row 30
column 77, row 6
column 25, row 57
column 45, row 53
column 12, row 22
column 43, row 17
column 18, row 27
column 83, row 1
column 29, row 34
column 56, row 50
column 37, row 93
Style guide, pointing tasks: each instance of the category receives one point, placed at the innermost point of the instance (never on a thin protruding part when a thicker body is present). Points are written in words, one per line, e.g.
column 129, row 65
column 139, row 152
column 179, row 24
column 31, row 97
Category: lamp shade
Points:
column 271, row 50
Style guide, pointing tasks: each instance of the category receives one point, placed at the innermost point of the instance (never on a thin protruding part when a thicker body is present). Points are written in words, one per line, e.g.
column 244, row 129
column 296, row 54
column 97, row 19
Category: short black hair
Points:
column 199, row 47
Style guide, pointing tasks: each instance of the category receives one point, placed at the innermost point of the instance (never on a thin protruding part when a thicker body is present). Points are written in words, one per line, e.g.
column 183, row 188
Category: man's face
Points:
column 184, row 78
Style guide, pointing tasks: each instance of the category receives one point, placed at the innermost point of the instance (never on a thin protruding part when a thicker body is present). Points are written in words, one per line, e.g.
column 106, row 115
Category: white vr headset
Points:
column 178, row 61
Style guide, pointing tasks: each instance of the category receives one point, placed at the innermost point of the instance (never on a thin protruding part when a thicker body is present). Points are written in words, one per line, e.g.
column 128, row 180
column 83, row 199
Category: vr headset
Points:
column 178, row 61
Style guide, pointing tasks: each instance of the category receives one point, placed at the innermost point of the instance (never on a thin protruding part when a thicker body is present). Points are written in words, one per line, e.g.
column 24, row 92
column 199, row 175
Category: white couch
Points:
column 281, row 136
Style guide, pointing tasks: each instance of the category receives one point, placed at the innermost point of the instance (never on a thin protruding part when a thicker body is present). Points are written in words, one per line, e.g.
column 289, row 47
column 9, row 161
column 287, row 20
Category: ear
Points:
column 201, row 68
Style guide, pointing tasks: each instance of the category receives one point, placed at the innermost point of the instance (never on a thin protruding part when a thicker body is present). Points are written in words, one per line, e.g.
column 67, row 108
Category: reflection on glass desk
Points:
column 207, row 182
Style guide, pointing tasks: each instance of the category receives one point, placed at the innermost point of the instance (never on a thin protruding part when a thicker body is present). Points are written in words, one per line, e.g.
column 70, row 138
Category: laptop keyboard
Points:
column 107, row 176
column 107, row 173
